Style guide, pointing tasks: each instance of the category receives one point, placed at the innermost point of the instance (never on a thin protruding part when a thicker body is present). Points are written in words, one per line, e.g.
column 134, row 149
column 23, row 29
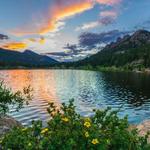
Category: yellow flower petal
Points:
column 65, row 119
column 87, row 124
column 44, row 131
column 87, row 134
column 95, row 141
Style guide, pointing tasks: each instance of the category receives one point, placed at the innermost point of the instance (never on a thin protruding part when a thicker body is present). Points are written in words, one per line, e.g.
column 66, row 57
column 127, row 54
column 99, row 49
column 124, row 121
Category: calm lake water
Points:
column 90, row 90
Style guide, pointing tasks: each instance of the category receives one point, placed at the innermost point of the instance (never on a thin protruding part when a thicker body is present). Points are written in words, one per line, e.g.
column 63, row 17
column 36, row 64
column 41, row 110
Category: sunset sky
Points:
column 48, row 25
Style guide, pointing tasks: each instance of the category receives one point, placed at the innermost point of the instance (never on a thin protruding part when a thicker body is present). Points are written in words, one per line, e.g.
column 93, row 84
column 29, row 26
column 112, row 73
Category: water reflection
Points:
column 89, row 89
column 44, row 92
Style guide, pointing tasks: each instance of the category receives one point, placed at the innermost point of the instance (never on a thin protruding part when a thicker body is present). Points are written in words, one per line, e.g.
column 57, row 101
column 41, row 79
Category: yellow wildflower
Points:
column 44, row 131
column 87, row 134
column 87, row 124
column 65, row 119
column 95, row 141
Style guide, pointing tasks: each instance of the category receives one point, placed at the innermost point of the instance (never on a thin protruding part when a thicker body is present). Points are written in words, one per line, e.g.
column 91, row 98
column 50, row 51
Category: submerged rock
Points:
column 7, row 123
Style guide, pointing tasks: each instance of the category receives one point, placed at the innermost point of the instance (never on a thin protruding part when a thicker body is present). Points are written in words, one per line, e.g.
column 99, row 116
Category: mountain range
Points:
column 131, row 50
column 27, row 59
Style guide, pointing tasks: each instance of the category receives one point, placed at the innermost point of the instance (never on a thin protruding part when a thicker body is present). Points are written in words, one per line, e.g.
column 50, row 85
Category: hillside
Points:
column 26, row 59
column 131, row 50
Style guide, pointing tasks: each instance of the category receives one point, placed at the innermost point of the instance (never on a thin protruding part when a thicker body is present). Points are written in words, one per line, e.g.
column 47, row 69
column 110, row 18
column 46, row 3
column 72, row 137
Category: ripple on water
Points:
column 89, row 89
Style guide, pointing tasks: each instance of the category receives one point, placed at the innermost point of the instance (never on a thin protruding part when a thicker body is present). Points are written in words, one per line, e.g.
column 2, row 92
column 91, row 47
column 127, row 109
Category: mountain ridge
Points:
column 27, row 58
column 125, row 51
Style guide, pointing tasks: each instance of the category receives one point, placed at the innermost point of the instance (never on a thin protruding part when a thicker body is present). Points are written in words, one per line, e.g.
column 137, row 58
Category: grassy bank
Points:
column 115, row 69
column 137, row 68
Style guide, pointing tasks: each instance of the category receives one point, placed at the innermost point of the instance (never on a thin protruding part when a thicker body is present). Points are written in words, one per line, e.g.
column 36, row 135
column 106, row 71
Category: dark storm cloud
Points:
column 92, row 39
column 3, row 37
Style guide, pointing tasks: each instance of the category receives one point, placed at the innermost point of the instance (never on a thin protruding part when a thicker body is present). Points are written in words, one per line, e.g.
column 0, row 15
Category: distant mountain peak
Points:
column 138, row 38
column 141, row 35
column 29, row 52
column 142, row 31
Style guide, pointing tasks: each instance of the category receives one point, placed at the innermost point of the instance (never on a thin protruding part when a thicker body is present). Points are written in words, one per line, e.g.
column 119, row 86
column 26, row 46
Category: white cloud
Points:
column 87, row 26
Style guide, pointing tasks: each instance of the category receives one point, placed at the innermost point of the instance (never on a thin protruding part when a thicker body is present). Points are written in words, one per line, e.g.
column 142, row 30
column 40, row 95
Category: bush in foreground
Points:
column 16, row 99
column 67, row 130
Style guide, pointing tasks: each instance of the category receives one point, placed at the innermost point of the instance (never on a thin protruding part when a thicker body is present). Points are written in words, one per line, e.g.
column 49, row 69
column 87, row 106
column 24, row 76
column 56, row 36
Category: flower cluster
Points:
column 68, row 130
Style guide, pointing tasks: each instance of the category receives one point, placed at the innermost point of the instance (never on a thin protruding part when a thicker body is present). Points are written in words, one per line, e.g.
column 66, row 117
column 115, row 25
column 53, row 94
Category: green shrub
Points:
column 17, row 99
column 67, row 130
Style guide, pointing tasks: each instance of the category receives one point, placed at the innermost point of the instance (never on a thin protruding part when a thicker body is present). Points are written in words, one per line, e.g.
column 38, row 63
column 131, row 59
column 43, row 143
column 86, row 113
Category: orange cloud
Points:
column 42, row 40
column 60, row 13
column 34, row 40
column 57, row 13
column 14, row 46
column 60, row 10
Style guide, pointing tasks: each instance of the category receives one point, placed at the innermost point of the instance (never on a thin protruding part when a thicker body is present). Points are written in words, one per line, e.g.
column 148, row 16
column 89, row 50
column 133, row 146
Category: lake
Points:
column 90, row 89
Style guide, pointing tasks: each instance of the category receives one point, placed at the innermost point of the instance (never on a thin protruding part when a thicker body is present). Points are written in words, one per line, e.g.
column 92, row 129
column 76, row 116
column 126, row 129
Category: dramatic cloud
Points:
column 87, row 26
column 3, row 37
column 89, row 44
column 63, row 10
column 14, row 46
column 109, row 2
column 60, row 10
column 54, row 20
column 109, row 13
column 104, row 21
column 92, row 39
column 73, row 53
column 37, row 40
column 22, row 45
column 106, row 17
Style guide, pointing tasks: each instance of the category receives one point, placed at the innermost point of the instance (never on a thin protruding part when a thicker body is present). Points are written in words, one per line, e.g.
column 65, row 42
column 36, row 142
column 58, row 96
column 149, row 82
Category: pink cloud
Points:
column 109, row 13
column 108, row 2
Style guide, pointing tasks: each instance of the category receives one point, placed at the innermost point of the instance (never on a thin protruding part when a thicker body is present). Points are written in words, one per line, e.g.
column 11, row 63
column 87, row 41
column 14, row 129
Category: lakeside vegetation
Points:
column 16, row 99
column 127, row 68
column 139, row 68
column 68, row 130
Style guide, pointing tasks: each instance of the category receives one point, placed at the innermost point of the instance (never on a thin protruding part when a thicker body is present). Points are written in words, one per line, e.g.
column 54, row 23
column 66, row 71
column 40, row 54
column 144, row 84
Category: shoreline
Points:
column 101, row 69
